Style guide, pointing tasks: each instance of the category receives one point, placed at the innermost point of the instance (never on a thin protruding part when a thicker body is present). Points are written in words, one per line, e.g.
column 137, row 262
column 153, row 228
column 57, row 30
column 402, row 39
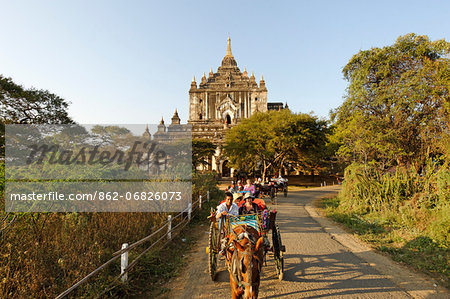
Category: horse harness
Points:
column 235, row 266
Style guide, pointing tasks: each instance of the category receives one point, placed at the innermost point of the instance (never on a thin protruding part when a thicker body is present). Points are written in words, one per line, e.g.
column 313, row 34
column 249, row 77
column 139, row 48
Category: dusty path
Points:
column 316, row 263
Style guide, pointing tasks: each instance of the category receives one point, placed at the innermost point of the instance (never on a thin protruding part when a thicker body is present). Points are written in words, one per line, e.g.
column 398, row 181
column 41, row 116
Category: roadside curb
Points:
column 415, row 284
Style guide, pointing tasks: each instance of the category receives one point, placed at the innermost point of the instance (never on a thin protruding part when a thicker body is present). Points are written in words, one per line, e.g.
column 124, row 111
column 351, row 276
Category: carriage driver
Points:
column 227, row 207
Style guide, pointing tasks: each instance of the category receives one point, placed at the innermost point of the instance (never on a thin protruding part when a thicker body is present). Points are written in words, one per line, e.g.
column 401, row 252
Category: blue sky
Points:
column 133, row 61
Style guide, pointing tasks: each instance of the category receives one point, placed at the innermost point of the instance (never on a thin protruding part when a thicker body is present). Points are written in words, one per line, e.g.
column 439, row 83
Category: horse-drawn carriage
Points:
column 272, row 188
column 244, row 241
column 281, row 185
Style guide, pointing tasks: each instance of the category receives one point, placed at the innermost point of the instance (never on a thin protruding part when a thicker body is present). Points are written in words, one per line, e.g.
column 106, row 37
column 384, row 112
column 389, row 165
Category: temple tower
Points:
column 224, row 98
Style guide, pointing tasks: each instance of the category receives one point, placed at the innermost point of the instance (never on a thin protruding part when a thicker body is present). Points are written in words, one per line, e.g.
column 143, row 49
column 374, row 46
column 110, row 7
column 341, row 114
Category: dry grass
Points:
column 42, row 254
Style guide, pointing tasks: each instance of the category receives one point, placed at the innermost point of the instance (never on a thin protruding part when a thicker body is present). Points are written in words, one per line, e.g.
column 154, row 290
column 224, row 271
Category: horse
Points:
column 245, row 253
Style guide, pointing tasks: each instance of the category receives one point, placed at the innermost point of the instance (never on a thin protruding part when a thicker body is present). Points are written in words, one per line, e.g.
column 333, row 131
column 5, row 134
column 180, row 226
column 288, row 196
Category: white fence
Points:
column 123, row 253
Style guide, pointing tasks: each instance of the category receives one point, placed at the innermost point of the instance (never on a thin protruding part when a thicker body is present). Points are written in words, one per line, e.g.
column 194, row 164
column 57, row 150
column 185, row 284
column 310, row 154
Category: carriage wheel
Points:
column 278, row 249
column 285, row 190
column 213, row 249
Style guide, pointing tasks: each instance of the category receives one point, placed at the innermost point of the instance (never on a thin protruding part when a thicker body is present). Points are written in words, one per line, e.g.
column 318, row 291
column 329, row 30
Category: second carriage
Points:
column 272, row 188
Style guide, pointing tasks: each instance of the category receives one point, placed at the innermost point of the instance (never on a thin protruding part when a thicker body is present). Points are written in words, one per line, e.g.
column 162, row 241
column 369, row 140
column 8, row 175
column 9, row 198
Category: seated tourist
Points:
column 239, row 184
column 248, row 207
column 281, row 180
column 232, row 188
column 237, row 198
column 249, row 187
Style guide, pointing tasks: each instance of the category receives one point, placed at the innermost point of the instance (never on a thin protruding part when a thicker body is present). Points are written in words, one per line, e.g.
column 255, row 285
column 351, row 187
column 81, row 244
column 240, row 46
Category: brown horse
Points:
column 245, row 252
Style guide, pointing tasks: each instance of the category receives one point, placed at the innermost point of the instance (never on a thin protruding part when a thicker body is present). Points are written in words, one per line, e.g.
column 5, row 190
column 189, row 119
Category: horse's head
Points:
column 245, row 262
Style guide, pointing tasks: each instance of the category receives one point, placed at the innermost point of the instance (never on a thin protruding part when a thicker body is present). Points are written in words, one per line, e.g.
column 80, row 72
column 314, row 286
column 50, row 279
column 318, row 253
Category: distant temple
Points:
column 219, row 102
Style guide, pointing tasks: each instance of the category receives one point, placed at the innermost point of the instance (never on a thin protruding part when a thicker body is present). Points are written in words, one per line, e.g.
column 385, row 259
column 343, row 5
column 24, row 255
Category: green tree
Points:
column 20, row 105
column 202, row 151
column 272, row 139
column 113, row 135
column 394, row 110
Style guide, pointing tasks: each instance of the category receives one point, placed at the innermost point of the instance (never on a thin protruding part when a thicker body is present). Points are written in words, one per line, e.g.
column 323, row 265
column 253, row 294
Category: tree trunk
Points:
column 264, row 172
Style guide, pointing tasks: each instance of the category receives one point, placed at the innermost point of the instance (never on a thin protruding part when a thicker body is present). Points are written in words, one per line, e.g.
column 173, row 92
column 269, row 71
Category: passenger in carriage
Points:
column 232, row 188
column 249, row 187
column 281, row 180
column 258, row 187
column 237, row 198
column 239, row 184
column 243, row 198
column 248, row 207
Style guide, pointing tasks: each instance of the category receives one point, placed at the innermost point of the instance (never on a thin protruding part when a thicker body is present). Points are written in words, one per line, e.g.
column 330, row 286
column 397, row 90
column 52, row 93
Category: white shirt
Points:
column 281, row 180
column 234, row 209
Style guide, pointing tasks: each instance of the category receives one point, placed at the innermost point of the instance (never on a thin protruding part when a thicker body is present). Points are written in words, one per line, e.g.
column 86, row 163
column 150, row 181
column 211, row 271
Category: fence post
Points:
column 200, row 202
column 169, row 227
column 207, row 195
column 124, row 263
column 189, row 211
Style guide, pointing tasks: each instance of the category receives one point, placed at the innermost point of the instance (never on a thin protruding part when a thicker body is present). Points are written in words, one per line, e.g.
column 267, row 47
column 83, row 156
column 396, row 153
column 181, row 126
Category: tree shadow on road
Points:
column 329, row 275
column 308, row 225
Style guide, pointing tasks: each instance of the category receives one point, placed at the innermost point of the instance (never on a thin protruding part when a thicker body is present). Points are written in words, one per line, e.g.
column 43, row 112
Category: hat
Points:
column 247, row 195
column 237, row 195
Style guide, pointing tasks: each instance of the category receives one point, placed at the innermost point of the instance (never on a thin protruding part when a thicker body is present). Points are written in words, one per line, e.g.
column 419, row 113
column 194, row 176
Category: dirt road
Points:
column 317, row 264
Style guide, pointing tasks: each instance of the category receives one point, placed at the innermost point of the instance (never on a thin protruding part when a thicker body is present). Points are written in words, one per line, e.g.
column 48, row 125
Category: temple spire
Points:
column 175, row 118
column 228, row 61
column 147, row 134
column 229, row 47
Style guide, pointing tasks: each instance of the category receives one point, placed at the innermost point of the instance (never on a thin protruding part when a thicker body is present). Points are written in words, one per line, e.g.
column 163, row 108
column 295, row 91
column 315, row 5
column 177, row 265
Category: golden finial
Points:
column 262, row 78
column 229, row 47
column 193, row 79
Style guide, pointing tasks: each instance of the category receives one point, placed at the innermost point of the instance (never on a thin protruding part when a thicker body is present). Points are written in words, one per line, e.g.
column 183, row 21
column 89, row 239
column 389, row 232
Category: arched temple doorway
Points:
column 228, row 119
column 226, row 171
